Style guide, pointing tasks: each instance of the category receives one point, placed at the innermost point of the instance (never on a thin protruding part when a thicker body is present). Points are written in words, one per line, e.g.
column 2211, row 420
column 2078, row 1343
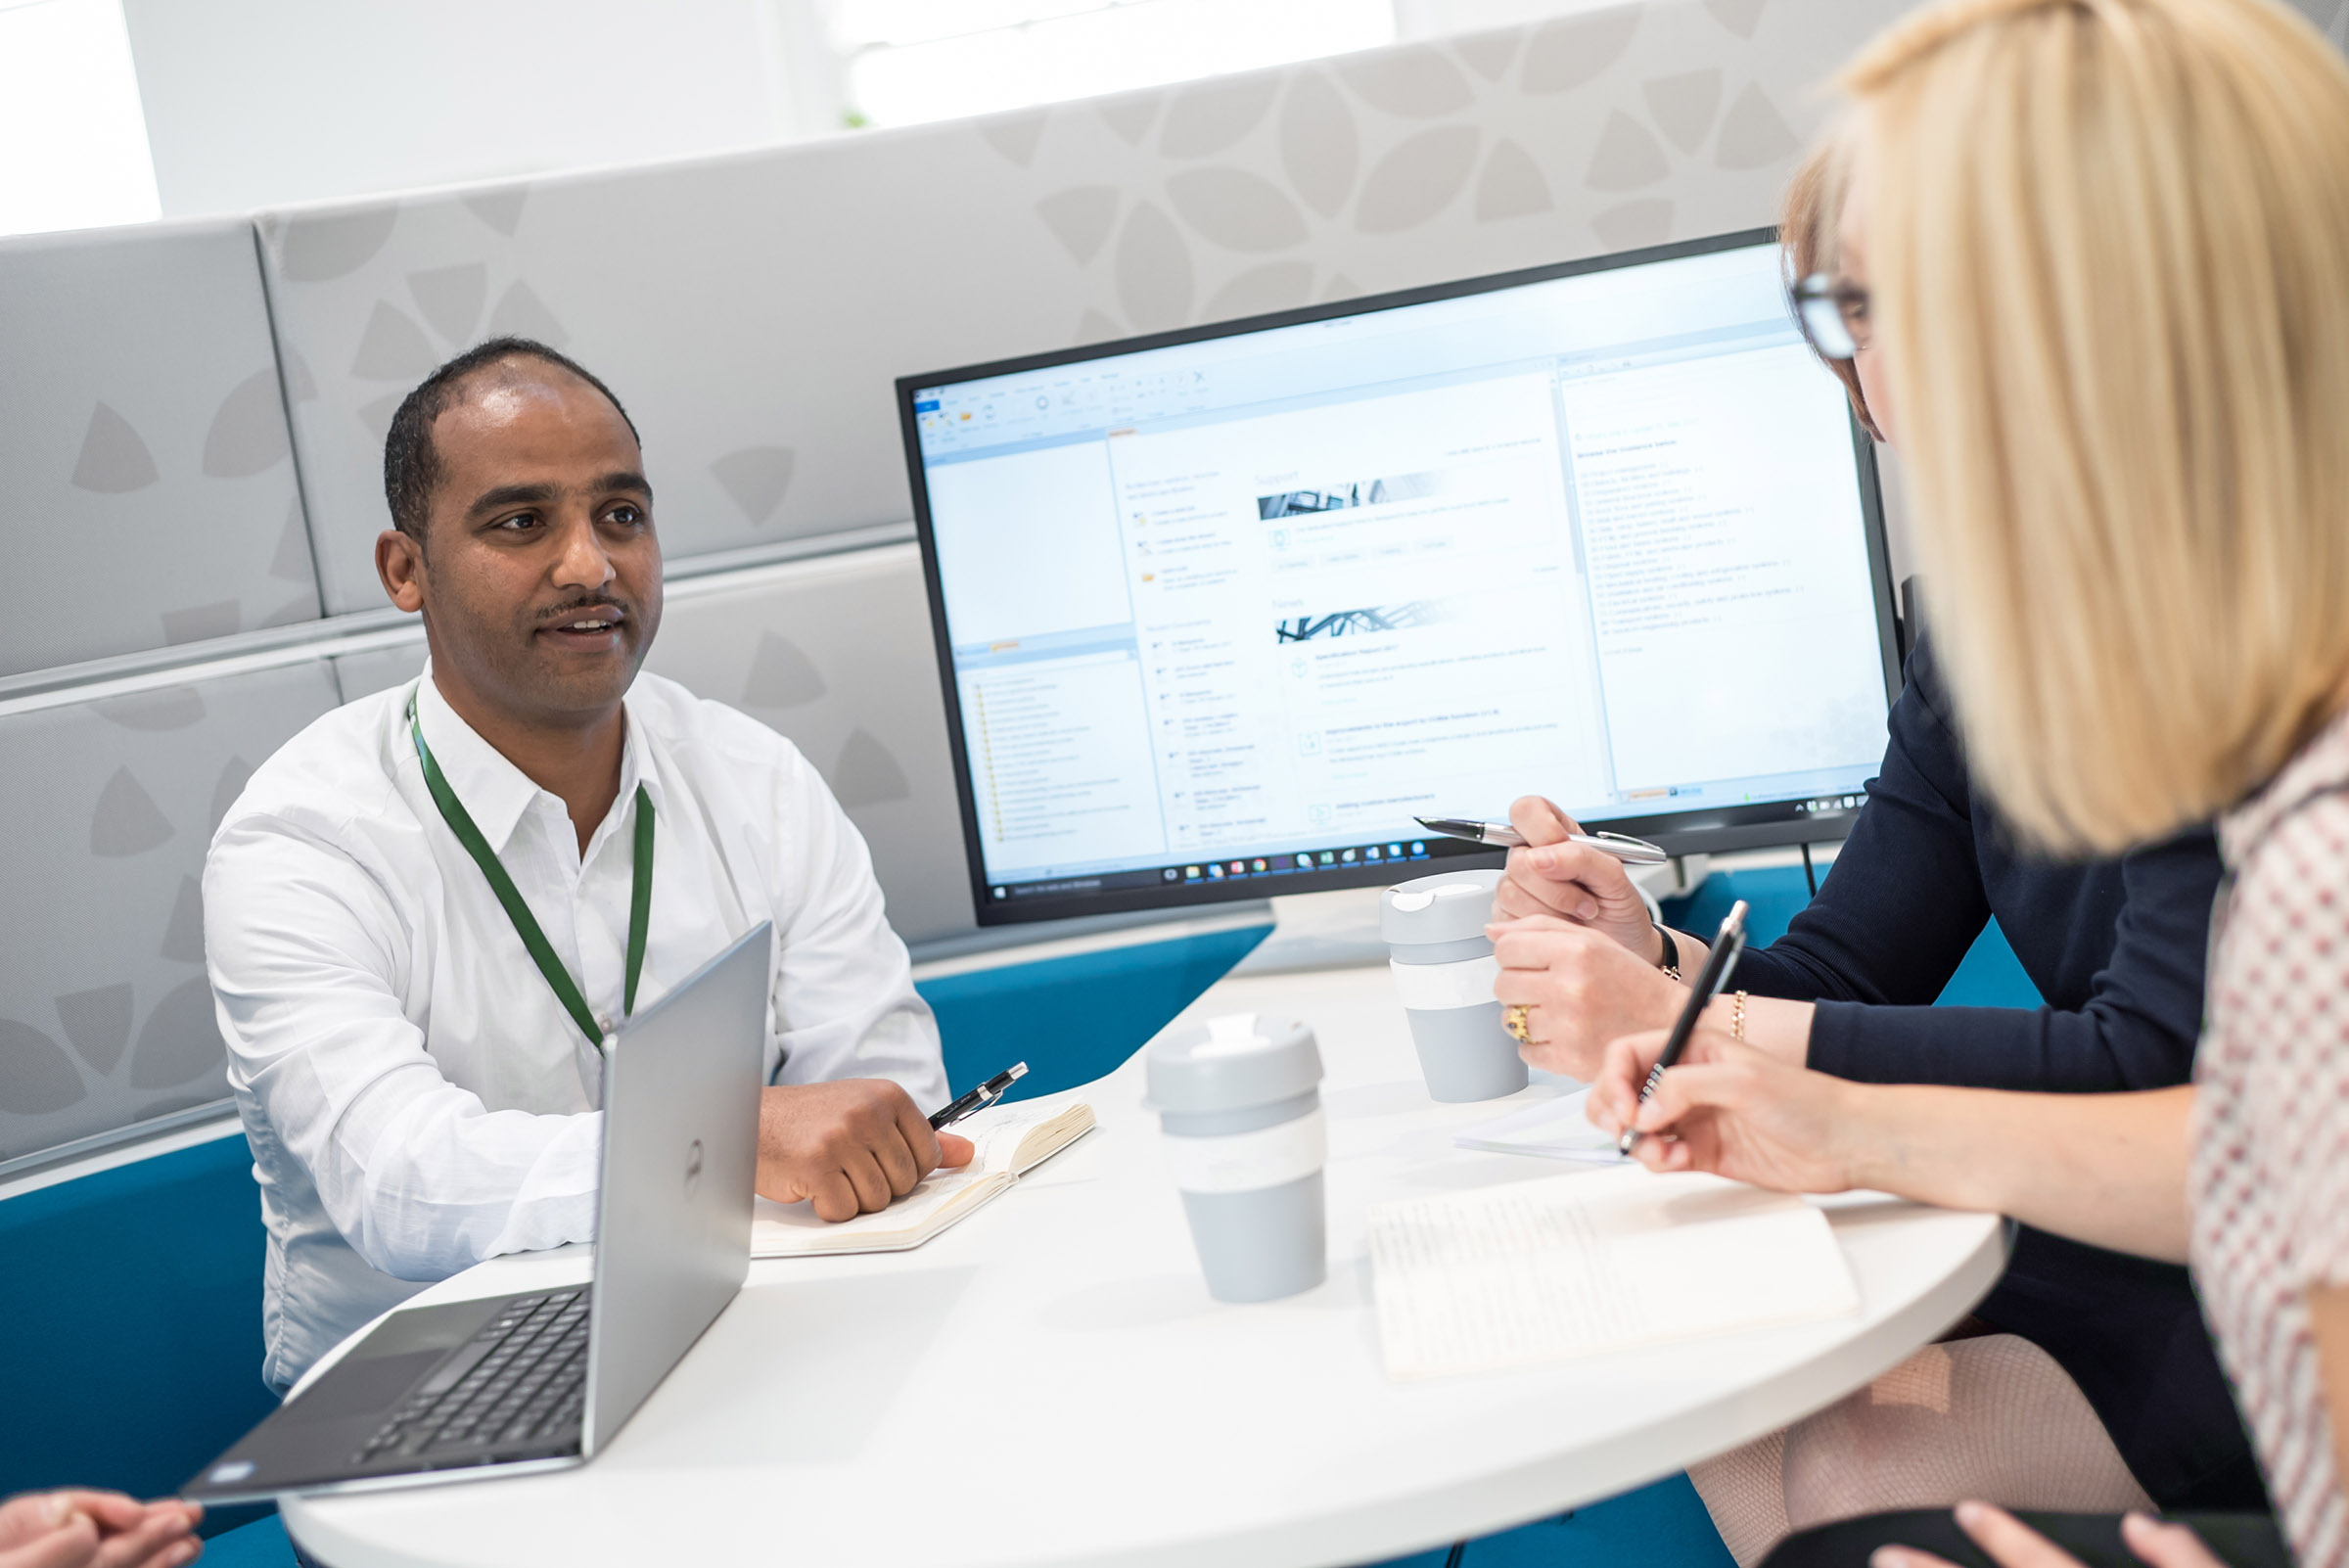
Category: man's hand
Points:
column 2012, row 1544
column 84, row 1528
column 1584, row 990
column 1572, row 882
column 850, row 1146
column 1734, row 1111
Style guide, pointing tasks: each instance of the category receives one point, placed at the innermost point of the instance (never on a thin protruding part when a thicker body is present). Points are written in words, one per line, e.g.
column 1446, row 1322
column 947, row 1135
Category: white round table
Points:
column 1049, row 1382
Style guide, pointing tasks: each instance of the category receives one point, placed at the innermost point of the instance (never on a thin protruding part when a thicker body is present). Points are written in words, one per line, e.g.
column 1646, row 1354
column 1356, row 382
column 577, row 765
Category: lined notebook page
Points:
column 1533, row 1271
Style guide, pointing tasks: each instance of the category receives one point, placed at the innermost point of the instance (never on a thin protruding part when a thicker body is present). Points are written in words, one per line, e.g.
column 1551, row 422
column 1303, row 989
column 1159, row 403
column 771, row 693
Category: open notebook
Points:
column 1533, row 1272
column 1010, row 1140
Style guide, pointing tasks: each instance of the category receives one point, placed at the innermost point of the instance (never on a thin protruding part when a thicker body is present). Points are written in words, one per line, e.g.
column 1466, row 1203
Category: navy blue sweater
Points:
column 2116, row 949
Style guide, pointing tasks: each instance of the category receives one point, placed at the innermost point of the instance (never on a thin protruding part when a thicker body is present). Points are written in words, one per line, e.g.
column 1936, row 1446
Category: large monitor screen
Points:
column 1221, row 612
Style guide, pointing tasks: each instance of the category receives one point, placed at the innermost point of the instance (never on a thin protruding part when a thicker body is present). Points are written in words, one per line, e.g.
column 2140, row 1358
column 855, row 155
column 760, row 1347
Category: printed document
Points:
column 1535, row 1271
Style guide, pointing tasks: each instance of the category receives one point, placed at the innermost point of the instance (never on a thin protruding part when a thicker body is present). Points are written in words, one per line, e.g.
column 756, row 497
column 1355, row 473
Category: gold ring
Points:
column 1512, row 1019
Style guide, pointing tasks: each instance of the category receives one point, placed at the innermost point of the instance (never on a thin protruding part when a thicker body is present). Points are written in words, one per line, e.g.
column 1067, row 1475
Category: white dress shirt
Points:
column 416, row 1097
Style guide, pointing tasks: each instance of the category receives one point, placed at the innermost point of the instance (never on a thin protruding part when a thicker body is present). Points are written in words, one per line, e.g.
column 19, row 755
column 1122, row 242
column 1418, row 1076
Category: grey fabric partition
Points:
column 835, row 652
column 752, row 310
column 151, row 496
column 105, row 1015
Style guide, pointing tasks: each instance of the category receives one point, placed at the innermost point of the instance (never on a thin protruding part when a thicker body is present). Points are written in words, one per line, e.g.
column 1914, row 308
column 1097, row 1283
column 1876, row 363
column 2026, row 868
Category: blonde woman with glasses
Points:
column 2102, row 1358
column 2098, row 252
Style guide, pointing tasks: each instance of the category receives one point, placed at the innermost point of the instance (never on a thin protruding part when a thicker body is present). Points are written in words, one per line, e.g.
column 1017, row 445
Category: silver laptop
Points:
column 543, row 1379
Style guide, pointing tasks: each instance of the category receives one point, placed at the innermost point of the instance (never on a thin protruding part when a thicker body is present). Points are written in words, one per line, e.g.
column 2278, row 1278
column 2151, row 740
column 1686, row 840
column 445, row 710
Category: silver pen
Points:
column 1502, row 836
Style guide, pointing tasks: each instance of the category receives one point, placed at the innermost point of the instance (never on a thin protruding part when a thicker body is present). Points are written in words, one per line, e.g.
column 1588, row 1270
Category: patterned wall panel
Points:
column 151, row 496
column 104, row 1014
column 836, row 653
column 377, row 669
column 752, row 310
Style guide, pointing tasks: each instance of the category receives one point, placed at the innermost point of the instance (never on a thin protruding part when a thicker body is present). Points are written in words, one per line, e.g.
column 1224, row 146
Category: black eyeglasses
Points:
column 1832, row 312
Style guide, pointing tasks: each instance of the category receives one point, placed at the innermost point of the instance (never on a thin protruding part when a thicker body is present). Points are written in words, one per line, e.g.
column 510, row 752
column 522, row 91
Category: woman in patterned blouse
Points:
column 2093, row 268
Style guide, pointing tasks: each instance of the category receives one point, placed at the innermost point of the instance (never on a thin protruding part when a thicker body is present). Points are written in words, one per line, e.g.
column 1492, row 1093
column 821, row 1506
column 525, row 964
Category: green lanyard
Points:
column 525, row 925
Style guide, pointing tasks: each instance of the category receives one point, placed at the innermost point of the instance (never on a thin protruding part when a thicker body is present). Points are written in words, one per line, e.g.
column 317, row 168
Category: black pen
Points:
column 1728, row 943
column 985, row 1095
column 1622, row 845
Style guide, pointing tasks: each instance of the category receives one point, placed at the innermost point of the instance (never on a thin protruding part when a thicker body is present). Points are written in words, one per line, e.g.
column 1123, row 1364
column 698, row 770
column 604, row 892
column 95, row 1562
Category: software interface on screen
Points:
column 1247, row 606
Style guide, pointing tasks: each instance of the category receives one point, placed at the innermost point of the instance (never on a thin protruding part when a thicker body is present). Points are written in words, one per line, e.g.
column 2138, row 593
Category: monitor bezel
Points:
column 1744, row 827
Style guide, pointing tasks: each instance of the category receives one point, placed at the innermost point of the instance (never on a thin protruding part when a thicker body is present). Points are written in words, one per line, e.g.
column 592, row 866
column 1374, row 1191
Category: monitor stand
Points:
column 1340, row 930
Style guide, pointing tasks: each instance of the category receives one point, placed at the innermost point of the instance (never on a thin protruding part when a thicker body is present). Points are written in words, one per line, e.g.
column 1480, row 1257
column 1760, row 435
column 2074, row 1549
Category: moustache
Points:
column 572, row 608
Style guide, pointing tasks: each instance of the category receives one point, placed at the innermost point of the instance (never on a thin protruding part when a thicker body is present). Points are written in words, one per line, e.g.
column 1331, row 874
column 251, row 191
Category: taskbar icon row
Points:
column 1292, row 865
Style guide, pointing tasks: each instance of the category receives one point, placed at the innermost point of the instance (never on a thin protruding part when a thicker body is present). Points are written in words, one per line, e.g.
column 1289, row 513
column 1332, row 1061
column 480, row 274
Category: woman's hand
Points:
column 1572, row 882
column 1731, row 1110
column 2012, row 1544
column 1581, row 990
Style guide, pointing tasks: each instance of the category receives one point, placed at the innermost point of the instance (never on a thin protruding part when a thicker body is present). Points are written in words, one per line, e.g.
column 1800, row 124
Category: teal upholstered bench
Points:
column 132, row 1299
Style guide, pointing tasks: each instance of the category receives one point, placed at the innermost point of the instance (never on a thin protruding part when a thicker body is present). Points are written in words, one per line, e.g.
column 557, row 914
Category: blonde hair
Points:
column 2108, row 258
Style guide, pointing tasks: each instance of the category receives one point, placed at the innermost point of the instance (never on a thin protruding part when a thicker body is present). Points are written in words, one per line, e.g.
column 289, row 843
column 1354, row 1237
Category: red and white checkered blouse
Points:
column 2270, row 1183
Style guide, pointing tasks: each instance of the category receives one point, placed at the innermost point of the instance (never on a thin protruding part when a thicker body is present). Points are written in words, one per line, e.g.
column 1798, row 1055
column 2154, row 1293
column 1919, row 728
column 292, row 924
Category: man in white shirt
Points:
column 422, row 1092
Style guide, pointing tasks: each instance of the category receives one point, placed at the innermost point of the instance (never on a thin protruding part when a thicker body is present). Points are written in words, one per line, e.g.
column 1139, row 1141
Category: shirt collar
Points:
column 495, row 792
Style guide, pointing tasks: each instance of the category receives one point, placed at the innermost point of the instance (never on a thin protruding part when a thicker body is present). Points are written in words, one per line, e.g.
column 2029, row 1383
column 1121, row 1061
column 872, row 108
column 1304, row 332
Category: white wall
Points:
column 260, row 103
column 72, row 147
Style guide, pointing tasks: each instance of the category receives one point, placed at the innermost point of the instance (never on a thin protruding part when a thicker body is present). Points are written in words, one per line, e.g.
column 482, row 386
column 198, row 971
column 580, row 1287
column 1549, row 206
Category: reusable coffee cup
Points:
column 1443, row 970
column 1239, row 1099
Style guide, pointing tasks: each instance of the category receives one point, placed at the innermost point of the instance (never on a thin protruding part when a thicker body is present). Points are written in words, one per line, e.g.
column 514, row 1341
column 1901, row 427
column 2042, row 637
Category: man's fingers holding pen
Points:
column 948, row 1149
column 849, row 1147
column 874, row 1188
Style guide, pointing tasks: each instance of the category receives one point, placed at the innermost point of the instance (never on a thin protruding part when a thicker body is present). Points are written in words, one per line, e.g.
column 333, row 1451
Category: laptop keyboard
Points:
column 521, row 1380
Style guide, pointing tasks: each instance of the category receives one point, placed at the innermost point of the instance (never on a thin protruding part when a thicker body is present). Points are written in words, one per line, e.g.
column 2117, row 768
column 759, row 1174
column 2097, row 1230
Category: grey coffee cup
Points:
column 1444, row 971
column 1239, row 1100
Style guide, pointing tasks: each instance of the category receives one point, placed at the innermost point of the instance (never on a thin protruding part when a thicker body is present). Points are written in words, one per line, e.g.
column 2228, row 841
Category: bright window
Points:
column 70, row 119
column 909, row 60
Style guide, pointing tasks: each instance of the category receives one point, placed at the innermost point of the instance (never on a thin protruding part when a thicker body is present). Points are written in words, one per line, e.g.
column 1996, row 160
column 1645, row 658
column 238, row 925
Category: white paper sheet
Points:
column 1551, row 1129
column 1533, row 1271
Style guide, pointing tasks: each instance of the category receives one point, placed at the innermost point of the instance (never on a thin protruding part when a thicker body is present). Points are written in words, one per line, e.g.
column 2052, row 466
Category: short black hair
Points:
column 412, row 464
